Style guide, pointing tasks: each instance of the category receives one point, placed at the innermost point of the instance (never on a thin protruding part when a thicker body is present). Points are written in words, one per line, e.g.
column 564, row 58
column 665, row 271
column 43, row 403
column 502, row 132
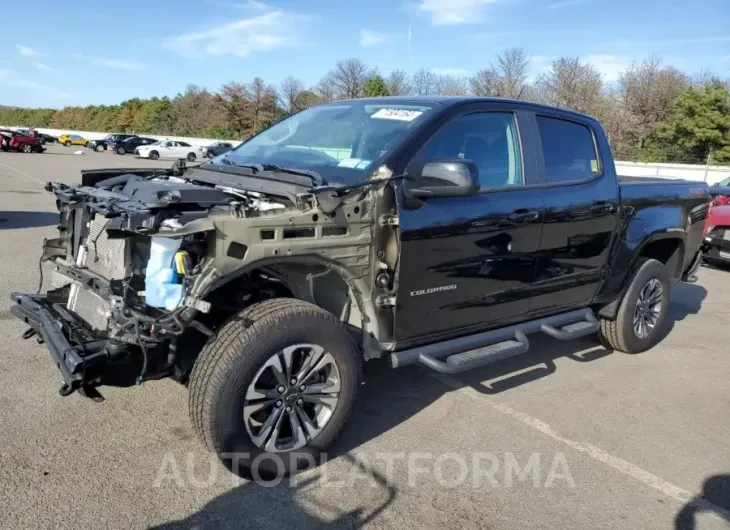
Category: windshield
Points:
column 340, row 141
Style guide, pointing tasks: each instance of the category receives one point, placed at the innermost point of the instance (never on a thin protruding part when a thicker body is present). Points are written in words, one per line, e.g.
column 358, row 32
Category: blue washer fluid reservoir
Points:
column 161, row 286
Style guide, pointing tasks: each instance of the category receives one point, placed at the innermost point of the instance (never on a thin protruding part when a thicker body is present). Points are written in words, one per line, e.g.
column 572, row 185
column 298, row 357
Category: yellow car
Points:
column 72, row 139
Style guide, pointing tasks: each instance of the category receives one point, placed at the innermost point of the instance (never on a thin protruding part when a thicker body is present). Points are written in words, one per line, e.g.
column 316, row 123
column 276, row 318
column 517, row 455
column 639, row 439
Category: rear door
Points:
column 467, row 263
column 582, row 204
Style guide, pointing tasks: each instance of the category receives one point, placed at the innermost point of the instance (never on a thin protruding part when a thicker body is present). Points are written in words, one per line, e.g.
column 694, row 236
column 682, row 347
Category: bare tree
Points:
column 512, row 67
column 291, row 94
column 349, row 76
column 326, row 89
column 485, row 83
column 450, row 85
column 506, row 79
column 263, row 109
column 425, row 82
column 649, row 90
column 571, row 84
column 398, row 83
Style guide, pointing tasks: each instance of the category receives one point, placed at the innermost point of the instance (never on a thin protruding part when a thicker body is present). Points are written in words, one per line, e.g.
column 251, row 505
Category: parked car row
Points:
column 18, row 141
column 122, row 144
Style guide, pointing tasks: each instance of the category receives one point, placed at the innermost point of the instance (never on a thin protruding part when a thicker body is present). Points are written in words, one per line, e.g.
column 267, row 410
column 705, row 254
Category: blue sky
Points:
column 90, row 52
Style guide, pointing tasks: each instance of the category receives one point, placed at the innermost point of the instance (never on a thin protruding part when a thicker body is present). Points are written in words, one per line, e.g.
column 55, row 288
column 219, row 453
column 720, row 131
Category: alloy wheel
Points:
column 292, row 398
column 648, row 308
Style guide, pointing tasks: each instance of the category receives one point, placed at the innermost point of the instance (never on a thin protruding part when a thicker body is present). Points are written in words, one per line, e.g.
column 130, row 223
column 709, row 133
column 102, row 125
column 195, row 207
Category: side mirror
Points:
column 447, row 178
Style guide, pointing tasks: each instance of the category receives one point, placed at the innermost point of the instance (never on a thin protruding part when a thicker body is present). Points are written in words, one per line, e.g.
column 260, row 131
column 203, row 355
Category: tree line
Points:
column 654, row 112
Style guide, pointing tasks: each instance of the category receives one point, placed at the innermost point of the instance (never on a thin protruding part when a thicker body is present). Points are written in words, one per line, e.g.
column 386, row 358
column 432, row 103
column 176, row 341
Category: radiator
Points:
column 106, row 257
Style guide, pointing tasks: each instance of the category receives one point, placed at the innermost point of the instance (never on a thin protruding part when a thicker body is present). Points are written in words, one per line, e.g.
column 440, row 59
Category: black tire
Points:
column 209, row 154
column 99, row 148
column 231, row 359
column 25, row 148
column 618, row 333
column 121, row 151
column 191, row 157
column 67, row 143
column 154, row 155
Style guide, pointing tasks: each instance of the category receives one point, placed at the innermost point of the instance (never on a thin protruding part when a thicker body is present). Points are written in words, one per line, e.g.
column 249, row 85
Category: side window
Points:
column 489, row 139
column 569, row 150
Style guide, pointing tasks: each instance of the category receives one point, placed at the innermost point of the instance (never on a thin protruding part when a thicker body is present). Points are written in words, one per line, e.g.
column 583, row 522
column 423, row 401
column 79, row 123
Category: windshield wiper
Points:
column 273, row 168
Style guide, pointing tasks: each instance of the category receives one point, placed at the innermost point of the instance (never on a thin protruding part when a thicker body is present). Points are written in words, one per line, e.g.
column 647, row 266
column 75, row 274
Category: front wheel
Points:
column 154, row 155
column 67, row 143
column 26, row 148
column 99, row 148
column 643, row 309
column 121, row 151
column 273, row 389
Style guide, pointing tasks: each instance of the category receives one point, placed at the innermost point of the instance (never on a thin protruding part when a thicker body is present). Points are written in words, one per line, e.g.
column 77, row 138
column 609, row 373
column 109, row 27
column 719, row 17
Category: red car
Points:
column 721, row 200
column 15, row 141
column 716, row 246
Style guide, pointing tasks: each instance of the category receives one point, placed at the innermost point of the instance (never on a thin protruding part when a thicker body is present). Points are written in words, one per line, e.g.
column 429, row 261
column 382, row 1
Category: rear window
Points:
column 569, row 150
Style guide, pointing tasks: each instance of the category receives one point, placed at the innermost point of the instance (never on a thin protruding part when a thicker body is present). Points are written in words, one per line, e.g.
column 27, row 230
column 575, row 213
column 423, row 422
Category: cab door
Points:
column 468, row 263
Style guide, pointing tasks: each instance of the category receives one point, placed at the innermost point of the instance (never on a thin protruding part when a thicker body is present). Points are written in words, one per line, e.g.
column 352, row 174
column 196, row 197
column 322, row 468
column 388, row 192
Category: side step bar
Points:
column 474, row 351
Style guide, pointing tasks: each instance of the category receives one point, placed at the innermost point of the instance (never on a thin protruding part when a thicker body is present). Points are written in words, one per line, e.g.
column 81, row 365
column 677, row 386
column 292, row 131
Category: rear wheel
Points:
column 272, row 391
column 643, row 309
column 154, row 155
column 191, row 157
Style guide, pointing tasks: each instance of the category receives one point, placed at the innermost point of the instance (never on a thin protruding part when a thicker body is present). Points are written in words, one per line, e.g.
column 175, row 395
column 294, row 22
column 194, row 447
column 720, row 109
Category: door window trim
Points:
column 542, row 166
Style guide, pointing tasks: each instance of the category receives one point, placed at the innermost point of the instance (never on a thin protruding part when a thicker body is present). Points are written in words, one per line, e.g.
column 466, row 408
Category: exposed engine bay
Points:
column 148, row 263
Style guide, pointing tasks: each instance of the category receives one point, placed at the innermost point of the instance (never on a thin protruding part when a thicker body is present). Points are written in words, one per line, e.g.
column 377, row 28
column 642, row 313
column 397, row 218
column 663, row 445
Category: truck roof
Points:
column 452, row 101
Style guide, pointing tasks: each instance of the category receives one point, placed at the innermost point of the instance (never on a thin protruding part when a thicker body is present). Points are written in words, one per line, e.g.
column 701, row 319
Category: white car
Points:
column 169, row 149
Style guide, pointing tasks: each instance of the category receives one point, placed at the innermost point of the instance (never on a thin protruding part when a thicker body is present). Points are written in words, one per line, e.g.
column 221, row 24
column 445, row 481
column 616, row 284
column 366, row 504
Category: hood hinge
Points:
column 385, row 301
column 388, row 220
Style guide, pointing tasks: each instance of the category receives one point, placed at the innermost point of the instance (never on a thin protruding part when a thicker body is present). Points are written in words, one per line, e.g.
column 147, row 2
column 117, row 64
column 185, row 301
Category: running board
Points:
column 475, row 351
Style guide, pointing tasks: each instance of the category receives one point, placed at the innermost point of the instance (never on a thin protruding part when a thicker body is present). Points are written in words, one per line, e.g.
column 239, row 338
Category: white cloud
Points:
column 567, row 3
column 372, row 38
column 610, row 66
column 42, row 66
column 10, row 78
column 29, row 52
column 255, row 5
column 118, row 64
column 454, row 72
column 454, row 12
column 276, row 29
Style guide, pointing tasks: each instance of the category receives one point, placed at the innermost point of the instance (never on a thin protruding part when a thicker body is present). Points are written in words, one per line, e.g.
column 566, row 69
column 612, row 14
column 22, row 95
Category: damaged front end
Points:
column 148, row 263
column 112, row 313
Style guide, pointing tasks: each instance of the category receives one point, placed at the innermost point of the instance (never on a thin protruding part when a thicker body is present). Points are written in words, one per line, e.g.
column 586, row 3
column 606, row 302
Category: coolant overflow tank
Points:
column 161, row 285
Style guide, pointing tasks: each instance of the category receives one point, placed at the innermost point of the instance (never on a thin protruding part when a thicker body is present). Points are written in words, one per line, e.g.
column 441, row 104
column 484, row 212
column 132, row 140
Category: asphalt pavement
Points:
column 572, row 436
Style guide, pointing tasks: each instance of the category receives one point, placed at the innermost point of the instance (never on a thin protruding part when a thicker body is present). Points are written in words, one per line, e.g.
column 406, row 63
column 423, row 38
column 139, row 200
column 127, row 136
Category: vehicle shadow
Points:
column 283, row 506
column 715, row 498
column 11, row 220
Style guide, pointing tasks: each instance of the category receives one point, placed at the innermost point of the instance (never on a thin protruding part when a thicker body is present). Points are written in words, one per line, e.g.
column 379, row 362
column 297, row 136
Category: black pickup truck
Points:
column 432, row 231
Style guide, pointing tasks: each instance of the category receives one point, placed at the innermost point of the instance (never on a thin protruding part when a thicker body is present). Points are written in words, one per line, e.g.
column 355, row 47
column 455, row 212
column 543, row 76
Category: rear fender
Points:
column 657, row 231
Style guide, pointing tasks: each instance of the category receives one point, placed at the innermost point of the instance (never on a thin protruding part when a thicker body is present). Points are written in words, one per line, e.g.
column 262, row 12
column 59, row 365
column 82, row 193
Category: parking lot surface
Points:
column 572, row 436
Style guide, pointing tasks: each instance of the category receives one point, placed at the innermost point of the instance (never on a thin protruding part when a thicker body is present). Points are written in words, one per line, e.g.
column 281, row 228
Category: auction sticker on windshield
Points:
column 397, row 114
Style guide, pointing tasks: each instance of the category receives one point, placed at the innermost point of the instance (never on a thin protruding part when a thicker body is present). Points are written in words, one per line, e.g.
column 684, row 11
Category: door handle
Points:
column 521, row 216
column 602, row 208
